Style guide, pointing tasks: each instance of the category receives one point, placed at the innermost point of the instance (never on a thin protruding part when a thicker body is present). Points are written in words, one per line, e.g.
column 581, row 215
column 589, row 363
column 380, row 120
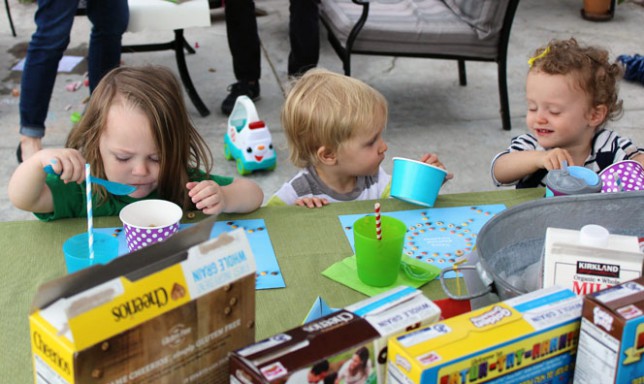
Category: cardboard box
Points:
column 571, row 263
column 169, row 313
column 527, row 339
column 326, row 347
column 611, row 341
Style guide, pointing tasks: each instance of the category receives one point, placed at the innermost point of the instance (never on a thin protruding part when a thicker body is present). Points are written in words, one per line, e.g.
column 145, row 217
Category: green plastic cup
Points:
column 378, row 261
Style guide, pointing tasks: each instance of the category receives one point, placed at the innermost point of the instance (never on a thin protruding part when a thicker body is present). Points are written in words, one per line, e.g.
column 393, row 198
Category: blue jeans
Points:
column 54, row 19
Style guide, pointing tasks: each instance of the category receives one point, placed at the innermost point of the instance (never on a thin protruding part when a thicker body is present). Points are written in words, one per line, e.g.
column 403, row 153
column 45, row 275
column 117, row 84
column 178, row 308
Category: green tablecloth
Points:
column 306, row 241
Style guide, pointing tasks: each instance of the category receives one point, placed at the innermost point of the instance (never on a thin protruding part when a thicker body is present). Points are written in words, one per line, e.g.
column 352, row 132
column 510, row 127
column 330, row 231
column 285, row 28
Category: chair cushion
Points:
column 486, row 16
column 423, row 27
column 148, row 15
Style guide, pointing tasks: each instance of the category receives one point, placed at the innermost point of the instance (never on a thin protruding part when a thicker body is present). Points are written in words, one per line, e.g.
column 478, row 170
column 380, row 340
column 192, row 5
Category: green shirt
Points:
column 69, row 199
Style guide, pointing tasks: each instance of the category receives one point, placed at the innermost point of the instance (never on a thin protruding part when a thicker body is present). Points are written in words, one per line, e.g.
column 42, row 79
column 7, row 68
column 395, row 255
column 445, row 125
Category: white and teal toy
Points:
column 248, row 139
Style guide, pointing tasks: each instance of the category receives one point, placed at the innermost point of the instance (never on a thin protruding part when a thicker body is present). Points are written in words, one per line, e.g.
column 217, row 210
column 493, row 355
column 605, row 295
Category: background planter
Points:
column 598, row 10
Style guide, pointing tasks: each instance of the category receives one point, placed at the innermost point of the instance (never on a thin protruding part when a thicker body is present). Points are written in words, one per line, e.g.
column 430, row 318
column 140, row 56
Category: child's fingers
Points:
column 199, row 190
column 73, row 169
column 311, row 202
column 429, row 158
column 194, row 188
column 556, row 157
column 69, row 164
column 213, row 209
column 209, row 203
column 55, row 165
column 317, row 203
column 204, row 195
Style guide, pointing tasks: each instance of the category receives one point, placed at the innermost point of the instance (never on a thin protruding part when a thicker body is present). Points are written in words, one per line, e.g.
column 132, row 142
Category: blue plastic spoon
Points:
column 111, row 186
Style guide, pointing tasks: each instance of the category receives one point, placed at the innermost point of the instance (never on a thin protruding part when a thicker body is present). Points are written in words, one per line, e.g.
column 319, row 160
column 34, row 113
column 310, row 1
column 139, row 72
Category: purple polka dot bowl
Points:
column 623, row 176
column 147, row 222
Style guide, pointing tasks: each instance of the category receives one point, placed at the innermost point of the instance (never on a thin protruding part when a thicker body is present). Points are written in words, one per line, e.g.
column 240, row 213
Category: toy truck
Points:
column 248, row 139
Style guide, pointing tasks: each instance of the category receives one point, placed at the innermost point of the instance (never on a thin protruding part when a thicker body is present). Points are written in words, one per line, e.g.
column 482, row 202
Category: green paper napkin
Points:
column 345, row 272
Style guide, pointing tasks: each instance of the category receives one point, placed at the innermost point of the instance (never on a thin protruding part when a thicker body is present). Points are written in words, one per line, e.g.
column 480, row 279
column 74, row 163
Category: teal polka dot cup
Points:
column 147, row 222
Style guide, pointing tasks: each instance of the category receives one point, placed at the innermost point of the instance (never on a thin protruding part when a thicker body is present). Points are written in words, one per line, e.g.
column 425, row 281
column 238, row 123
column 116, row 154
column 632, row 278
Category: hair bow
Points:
column 539, row 56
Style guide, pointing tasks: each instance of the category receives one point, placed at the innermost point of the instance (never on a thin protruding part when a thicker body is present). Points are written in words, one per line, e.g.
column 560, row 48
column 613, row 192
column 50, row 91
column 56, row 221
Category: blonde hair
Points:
column 325, row 109
column 156, row 92
column 589, row 68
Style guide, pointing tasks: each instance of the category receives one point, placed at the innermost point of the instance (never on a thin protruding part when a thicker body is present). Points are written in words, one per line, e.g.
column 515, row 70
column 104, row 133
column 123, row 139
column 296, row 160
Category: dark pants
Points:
column 243, row 40
column 54, row 20
column 304, row 32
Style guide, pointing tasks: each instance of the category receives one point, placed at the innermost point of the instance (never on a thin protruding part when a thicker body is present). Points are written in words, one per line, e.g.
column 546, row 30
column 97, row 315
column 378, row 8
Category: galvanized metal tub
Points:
column 513, row 240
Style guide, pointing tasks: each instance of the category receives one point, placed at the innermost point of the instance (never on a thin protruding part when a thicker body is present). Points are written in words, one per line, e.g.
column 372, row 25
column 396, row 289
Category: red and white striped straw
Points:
column 378, row 222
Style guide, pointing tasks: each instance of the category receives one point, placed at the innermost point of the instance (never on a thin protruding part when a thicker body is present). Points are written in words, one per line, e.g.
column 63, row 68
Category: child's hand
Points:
column 27, row 187
column 553, row 158
column 68, row 163
column 432, row 159
column 311, row 202
column 207, row 196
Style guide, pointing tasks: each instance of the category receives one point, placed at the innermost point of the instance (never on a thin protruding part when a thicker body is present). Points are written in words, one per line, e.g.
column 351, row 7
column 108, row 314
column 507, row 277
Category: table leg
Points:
column 185, row 75
column 177, row 45
column 13, row 29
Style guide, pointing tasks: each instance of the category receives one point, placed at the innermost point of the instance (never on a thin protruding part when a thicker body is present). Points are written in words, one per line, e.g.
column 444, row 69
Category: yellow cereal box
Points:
column 169, row 313
column 526, row 339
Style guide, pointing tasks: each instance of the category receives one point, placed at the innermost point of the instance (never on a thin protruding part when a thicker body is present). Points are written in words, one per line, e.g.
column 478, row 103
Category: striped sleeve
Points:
column 525, row 142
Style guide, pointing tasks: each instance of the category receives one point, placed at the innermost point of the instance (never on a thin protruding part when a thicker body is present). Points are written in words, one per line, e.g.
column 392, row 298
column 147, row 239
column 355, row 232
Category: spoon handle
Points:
column 111, row 186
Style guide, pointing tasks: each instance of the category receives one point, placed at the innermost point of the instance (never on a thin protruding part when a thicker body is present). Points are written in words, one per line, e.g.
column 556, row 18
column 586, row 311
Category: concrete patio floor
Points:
column 429, row 111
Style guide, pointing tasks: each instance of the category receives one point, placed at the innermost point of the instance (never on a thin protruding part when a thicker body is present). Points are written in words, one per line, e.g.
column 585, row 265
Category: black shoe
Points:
column 241, row 88
column 19, row 153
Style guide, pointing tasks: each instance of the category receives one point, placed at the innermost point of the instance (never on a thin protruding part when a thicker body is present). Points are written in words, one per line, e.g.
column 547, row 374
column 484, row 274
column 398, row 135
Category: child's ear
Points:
column 598, row 115
column 326, row 156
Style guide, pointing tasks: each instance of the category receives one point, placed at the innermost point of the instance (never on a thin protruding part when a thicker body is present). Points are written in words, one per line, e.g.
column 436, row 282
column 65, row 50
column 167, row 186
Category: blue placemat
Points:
column 268, row 271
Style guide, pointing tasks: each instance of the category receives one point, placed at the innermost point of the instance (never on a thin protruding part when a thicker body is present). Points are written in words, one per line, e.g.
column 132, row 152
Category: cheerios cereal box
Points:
column 169, row 313
column 527, row 339
column 349, row 345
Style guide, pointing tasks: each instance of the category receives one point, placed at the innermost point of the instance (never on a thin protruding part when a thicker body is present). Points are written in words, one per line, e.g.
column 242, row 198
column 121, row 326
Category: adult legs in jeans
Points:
column 54, row 20
column 109, row 21
column 243, row 41
column 304, row 33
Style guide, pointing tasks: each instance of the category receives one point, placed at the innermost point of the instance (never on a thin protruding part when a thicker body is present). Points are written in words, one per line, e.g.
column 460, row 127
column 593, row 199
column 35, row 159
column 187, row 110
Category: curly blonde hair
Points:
column 589, row 67
column 325, row 109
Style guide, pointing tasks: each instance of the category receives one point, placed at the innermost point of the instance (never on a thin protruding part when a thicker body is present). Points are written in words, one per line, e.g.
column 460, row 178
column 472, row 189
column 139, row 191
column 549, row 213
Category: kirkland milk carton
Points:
column 611, row 341
column 590, row 260
column 526, row 339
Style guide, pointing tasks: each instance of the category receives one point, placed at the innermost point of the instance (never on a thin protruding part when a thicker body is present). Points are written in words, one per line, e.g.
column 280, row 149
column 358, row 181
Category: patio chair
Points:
column 461, row 30
column 154, row 15
column 13, row 29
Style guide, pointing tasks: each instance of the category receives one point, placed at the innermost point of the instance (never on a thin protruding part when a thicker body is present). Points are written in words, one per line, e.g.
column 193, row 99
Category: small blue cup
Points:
column 76, row 250
column 572, row 180
column 416, row 182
